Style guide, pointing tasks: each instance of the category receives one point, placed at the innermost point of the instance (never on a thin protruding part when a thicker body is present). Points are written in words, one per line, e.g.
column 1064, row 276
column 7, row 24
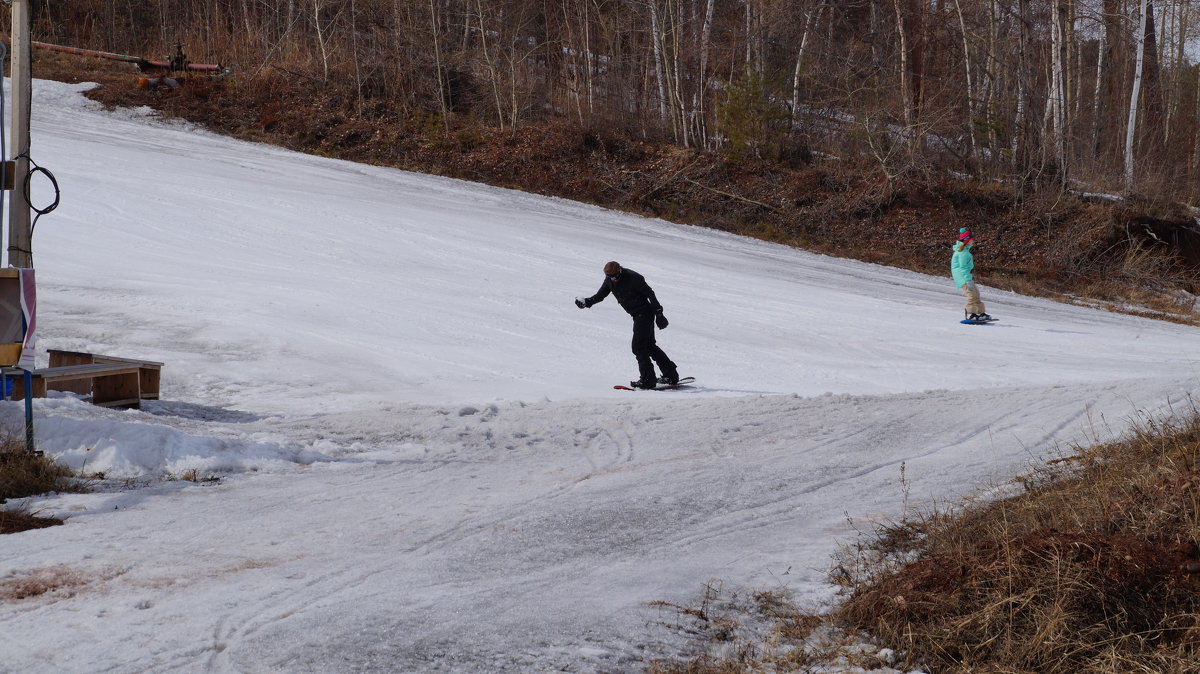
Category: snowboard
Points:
column 967, row 321
column 683, row 383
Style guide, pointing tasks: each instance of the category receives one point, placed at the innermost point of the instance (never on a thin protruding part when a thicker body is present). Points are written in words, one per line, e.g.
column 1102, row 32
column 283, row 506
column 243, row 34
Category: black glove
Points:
column 659, row 319
column 582, row 303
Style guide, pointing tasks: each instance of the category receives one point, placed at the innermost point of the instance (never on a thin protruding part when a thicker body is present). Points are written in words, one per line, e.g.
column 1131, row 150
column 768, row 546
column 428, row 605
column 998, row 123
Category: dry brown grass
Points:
column 15, row 521
column 1094, row 567
column 24, row 473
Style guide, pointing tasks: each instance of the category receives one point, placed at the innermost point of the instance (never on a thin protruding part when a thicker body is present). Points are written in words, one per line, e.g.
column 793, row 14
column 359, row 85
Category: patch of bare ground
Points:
column 735, row 632
column 25, row 585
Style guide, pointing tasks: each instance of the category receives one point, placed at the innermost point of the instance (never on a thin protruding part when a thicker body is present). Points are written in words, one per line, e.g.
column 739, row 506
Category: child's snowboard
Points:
column 683, row 383
column 967, row 321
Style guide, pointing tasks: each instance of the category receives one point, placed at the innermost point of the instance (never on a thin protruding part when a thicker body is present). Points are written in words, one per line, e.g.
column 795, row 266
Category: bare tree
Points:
column 435, row 30
column 1098, row 108
column 972, row 97
column 1131, row 128
column 811, row 16
column 1056, row 108
column 322, row 38
column 902, row 35
column 699, row 112
column 655, row 67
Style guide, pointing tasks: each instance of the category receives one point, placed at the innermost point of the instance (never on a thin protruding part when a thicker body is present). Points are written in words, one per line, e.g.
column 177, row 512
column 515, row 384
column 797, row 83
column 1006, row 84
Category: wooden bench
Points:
column 109, row 381
column 149, row 371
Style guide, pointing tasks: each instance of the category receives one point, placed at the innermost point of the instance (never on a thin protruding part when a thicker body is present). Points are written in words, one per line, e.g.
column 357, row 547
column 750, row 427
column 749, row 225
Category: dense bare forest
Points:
column 995, row 87
column 777, row 119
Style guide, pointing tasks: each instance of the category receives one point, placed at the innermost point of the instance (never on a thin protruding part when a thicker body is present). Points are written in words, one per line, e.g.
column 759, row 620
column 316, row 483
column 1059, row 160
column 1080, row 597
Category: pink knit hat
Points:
column 964, row 234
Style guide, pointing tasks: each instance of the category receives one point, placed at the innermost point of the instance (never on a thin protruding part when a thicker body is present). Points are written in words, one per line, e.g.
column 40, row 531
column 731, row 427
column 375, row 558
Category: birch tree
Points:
column 1131, row 127
column 1098, row 108
column 698, row 101
column 321, row 39
column 811, row 17
column 1057, row 101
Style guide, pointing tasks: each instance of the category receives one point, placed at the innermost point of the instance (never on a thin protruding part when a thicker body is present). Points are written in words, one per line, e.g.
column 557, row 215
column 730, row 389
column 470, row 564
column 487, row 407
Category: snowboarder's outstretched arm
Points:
column 587, row 302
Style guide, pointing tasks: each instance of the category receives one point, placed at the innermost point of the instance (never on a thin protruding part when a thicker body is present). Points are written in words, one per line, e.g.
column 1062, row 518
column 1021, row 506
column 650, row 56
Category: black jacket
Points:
column 632, row 293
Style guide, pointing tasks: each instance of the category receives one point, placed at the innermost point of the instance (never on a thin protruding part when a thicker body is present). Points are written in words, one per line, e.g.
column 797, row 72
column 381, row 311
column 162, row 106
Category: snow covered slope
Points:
column 423, row 465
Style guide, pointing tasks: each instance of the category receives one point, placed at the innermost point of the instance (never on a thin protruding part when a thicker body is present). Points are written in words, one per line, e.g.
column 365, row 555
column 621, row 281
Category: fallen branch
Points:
column 734, row 196
column 670, row 179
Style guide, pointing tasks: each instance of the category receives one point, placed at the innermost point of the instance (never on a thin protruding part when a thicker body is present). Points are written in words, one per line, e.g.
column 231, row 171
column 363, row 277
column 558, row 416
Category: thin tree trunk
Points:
column 702, row 82
column 245, row 16
column 1114, row 81
column 916, row 61
column 679, row 125
column 1131, row 129
column 1021, row 140
column 588, row 62
column 1098, row 106
column 1057, row 103
column 437, row 61
column 990, row 81
column 1152, row 82
column 1069, row 54
column 971, row 95
column 656, row 39
column 1179, row 67
column 321, row 40
column 1195, row 163
column 491, row 65
column 358, row 84
column 903, row 49
column 1076, row 92
column 876, row 22
column 812, row 17
column 749, row 56
column 571, row 60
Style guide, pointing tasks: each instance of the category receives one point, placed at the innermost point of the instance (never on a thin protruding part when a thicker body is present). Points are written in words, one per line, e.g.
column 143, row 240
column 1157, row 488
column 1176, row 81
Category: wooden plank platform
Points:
column 150, row 371
column 110, row 381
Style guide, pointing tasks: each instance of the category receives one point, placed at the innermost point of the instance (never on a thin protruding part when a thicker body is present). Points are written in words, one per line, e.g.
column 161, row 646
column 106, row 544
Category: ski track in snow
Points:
column 423, row 466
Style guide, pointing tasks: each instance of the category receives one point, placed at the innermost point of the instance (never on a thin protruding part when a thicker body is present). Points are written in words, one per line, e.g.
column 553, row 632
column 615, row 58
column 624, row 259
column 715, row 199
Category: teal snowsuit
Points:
column 962, row 263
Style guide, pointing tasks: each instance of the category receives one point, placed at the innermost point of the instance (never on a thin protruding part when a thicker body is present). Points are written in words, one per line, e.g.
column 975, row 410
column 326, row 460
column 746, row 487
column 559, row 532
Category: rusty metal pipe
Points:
column 141, row 63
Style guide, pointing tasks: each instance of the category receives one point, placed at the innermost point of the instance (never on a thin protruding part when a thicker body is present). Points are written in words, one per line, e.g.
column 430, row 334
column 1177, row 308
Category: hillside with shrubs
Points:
column 870, row 130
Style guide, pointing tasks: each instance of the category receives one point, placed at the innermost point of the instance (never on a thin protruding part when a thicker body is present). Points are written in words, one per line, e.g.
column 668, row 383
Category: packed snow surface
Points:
column 421, row 464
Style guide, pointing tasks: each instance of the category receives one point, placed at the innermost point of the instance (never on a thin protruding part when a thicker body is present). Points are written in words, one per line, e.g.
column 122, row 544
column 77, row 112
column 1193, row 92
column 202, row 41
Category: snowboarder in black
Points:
column 636, row 297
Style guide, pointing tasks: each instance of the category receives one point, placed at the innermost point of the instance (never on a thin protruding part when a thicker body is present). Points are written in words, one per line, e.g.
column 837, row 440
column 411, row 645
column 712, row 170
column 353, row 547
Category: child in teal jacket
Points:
column 962, row 264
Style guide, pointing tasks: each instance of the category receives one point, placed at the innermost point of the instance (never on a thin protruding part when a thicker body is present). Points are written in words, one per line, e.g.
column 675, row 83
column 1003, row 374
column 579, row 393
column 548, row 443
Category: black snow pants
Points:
column 645, row 349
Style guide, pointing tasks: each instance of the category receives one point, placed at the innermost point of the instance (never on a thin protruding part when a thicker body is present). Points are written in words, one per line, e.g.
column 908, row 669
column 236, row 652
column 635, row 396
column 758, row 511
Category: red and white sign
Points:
column 29, row 308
